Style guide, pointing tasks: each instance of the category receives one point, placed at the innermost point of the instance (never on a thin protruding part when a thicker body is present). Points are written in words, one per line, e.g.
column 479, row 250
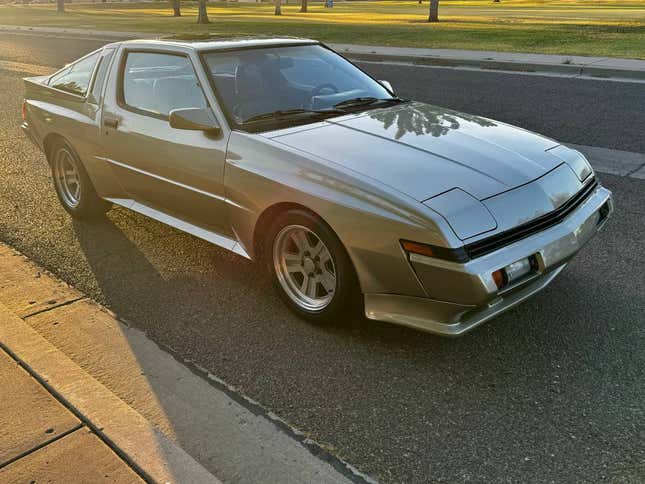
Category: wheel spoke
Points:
column 328, row 281
column 312, row 289
column 300, row 239
column 324, row 257
column 304, row 287
column 293, row 263
column 317, row 248
column 291, row 259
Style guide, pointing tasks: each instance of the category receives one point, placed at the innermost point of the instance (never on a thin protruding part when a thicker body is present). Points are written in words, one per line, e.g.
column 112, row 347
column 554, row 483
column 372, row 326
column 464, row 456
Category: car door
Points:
column 171, row 174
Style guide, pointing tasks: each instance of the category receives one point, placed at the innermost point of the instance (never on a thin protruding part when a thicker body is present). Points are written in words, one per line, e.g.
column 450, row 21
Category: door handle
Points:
column 110, row 122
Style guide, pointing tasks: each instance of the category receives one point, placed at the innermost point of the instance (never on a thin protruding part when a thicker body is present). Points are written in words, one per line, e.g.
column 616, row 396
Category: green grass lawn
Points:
column 585, row 27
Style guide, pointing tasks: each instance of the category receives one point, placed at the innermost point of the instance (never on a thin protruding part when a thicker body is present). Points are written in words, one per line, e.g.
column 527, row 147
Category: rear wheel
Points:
column 311, row 269
column 73, row 186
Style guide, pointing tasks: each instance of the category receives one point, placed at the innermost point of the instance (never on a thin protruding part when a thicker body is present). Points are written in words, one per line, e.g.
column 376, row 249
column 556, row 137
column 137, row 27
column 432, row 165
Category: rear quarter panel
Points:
column 51, row 112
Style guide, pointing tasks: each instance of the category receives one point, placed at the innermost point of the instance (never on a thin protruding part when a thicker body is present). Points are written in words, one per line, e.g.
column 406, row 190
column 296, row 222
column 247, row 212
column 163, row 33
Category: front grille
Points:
column 491, row 244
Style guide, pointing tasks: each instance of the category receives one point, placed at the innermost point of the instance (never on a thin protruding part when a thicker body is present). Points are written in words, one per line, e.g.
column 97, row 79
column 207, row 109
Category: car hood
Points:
column 423, row 150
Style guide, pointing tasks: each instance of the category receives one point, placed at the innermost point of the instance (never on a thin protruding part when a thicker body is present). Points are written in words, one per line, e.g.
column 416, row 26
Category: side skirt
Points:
column 212, row 237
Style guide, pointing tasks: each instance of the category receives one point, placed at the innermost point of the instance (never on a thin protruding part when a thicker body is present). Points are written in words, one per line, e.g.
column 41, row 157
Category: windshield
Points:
column 267, row 85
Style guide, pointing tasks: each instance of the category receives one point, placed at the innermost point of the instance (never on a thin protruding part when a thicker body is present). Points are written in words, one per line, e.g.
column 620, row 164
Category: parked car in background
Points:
column 284, row 152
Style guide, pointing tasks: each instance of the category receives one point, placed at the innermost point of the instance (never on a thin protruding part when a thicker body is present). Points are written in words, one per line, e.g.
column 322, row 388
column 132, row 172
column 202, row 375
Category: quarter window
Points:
column 76, row 78
column 158, row 83
column 101, row 72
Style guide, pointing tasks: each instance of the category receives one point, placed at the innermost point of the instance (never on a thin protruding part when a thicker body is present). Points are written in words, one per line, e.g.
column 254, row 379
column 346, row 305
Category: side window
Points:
column 158, row 83
column 76, row 78
column 101, row 72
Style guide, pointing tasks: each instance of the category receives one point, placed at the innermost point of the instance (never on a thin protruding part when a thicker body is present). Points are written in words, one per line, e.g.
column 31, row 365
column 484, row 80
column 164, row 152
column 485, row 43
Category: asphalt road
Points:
column 550, row 391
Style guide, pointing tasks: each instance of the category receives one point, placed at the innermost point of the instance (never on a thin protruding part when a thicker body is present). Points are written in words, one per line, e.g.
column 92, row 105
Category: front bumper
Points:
column 463, row 296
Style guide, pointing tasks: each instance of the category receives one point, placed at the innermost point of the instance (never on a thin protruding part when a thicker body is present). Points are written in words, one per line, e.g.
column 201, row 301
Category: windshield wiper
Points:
column 339, row 108
column 366, row 101
column 282, row 113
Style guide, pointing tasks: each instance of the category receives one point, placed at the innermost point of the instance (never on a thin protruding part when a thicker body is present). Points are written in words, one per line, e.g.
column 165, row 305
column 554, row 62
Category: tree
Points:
column 303, row 5
column 278, row 7
column 433, row 16
column 176, row 9
column 60, row 6
column 202, row 14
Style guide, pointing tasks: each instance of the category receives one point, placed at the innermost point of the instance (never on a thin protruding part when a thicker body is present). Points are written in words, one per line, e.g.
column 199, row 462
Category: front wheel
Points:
column 310, row 267
column 73, row 186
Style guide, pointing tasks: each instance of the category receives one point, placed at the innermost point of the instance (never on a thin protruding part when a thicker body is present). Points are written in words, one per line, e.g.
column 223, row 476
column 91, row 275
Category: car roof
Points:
column 205, row 42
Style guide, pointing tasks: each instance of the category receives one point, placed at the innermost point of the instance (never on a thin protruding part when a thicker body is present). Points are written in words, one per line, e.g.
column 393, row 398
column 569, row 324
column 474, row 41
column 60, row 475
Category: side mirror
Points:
column 196, row 119
column 387, row 86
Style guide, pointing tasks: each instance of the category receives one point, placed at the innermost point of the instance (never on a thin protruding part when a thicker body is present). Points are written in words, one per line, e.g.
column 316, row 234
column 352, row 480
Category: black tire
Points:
column 87, row 204
column 346, row 299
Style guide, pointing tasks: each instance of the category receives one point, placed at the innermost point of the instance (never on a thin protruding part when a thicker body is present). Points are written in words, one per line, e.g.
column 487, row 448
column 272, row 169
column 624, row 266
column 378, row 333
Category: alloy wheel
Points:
column 67, row 178
column 304, row 267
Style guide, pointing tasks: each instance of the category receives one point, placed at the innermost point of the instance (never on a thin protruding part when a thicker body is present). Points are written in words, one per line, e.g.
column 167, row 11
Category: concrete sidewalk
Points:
column 104, row 396
column 563, row 65
column 75, row 429
column 43, row 441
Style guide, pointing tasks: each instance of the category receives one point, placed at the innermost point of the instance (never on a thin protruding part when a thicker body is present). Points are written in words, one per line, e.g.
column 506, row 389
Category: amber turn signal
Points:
column 500, row 278
column 446, row 253
column 417, row 248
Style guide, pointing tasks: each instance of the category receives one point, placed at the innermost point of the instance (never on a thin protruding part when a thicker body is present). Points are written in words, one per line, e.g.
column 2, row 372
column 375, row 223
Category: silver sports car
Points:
column 284, row 152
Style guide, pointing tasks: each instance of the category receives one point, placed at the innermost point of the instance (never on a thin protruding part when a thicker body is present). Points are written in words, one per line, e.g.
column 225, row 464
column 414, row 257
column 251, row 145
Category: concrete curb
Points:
column 125, row 430
column 568, row 65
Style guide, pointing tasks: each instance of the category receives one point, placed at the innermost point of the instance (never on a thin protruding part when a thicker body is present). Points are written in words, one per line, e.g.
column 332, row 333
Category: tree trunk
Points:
column 278, row 7
column 60, row 6
column 202, row 14
column 176, row 8
column 303, row 5
column 434, row 11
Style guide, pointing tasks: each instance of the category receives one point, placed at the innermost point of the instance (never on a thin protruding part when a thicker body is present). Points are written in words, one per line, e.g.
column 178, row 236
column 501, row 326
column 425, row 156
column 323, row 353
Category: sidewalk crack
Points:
column 41, row 445
column 84, row 421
